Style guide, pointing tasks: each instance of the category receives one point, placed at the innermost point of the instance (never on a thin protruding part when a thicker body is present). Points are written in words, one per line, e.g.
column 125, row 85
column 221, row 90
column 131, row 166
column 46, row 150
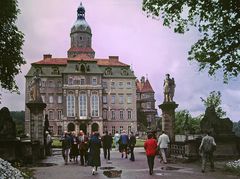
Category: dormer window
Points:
column 55, row 71
column 124, row 72
column 108, row 71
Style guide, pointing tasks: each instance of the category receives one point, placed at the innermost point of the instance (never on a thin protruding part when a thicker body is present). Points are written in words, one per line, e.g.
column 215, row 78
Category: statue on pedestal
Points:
column 169, row 88
column 35, row 88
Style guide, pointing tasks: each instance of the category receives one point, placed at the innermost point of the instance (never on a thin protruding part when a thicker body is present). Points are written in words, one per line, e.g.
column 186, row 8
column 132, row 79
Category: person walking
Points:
column 94, row 154
column 132, row 143
column 124, row 140
column 206, row 148
column 163, row 142
column 116, row 140
column 48, row 144
column 107, row 145
column 83, row 148
column 74, row 147
column 150, row 146
column 66, row 145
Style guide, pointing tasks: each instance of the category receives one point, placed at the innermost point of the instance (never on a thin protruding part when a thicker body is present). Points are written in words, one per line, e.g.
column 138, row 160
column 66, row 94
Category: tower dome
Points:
column 81, row 36
column 81, row 24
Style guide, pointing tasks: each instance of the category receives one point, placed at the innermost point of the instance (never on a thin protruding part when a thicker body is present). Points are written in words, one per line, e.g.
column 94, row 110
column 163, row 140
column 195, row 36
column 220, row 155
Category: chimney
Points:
column 143, row 79
column 46, row 56
column 113, row 58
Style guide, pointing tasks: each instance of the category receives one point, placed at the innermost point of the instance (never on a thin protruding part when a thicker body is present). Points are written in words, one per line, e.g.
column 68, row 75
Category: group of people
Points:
column 153, row 147
column 88, row 147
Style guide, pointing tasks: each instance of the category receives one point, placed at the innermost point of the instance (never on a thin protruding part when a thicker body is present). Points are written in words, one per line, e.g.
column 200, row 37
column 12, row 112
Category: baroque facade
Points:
column 83, row 92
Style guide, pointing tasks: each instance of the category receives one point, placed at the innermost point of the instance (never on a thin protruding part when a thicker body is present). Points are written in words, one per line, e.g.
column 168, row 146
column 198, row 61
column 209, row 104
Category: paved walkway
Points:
column 130, row 170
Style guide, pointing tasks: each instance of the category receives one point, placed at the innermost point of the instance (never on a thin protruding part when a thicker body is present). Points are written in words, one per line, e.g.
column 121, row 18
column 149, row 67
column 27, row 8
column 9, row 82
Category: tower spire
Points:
column 81, row 12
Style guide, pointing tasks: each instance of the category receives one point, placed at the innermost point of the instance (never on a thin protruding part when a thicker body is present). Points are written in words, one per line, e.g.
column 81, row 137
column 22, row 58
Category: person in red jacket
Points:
column 150, row 147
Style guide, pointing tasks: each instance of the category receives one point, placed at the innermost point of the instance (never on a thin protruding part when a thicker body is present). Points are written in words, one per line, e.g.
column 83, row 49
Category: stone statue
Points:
column 35, row 89
column 169, row 88
column 7, row 125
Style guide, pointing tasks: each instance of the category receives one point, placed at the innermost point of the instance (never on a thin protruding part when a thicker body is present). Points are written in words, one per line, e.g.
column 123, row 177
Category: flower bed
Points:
column 233, row 166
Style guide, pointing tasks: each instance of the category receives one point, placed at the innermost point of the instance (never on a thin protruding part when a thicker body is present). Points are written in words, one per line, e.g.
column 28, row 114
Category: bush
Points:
column 233, row 167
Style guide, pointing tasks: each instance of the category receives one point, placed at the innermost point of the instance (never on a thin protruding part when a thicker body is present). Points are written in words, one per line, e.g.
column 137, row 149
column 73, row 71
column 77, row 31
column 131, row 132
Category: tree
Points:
column 214, row 99
column 11, row 41
column 236, row 128
column 18, row 118
column 218, row 23
column 184, row 122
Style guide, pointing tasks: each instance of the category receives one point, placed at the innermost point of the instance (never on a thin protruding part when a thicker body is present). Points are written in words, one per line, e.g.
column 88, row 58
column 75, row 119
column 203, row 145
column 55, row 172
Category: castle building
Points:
column 146, row 102
column 83, row 92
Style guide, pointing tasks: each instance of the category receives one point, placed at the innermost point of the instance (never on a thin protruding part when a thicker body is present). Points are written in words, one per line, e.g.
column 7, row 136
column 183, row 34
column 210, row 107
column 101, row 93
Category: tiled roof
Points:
column 77, row 49
column 52, row 61
column 110, row 62
column 144, row 87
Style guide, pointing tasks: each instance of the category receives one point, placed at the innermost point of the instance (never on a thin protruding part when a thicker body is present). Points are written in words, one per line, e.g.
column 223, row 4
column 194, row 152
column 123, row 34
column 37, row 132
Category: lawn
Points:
column 58, row 144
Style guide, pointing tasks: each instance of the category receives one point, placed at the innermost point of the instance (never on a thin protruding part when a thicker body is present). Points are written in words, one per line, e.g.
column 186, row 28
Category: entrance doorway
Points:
column 95, row 127
column 71, row 127
column 83, row 127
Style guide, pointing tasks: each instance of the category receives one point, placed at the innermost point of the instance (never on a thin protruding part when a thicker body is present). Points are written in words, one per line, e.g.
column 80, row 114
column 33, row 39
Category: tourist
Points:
column 150, row 147
column 123, row 142
column 116, row 140
column 107, row 145
column 48, row 144
column 163, row 142
column 132, row 143
column 66, row 145
column 206, row 148
column 94, row 154
column 74, row 147
column 83, row 147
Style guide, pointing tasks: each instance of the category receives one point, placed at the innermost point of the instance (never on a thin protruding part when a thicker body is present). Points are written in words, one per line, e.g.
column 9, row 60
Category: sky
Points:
column 121, row 28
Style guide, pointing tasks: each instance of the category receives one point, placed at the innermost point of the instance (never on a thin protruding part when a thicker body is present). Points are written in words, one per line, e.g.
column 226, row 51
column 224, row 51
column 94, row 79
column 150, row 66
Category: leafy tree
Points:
column 219, row 25
column 184, row 122
column 142, row 120
column 11, row 41
column 214, row 99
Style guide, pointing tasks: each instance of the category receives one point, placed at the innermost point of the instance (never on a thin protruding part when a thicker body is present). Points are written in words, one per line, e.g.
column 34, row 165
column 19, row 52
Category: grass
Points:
column 57, row 144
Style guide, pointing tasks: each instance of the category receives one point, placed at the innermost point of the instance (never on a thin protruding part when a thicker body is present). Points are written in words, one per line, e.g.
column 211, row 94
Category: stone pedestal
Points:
column 168, row 118
column 36, row 123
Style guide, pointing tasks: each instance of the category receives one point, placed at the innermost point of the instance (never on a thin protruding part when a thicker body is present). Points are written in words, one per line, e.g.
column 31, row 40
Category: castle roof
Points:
column 144, row 86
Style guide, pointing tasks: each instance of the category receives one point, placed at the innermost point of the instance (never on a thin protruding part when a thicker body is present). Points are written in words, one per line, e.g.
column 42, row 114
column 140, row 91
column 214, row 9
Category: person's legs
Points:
column 82, row 159
column 211, row 161
column 149, row 163
column 108, row 153
column 152, row 160
column 204, row 159
column 66, row 155
column 105, row 152
column 163, row 155
column 132, row 158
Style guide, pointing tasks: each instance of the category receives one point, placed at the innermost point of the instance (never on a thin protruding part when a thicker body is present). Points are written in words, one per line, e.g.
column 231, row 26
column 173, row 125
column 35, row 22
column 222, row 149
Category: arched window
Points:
column 82, row 105
column 95, row 105
column 70, row 104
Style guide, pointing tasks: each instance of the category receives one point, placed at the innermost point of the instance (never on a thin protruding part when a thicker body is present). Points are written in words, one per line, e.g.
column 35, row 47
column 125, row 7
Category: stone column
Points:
column 168, row 118
column 36, row 125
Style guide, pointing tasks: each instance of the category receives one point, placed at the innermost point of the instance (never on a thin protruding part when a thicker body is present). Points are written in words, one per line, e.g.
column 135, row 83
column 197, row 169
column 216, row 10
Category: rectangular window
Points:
column 59, row 84
column 104, row 84
column 70, row 105
column 82, row 81
column 83, row 105
column 50, row 115
column 120, row 85
column 121, row 99
column 113, row 114
column 112, row 85
column 121, row 129
column 129, row 84
column 105, row 128
column 149, row 105
column 113, row 130
column 129, row 98
column 121, row 115
column 60, row 130
column 51, row 84
column 95, row 105
column 59, row 99
column 70, row 81
column 129, row 114
column 94, row 81
column 50, row 98
column 113, row 99
column 104, row 99
column 59, row 114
